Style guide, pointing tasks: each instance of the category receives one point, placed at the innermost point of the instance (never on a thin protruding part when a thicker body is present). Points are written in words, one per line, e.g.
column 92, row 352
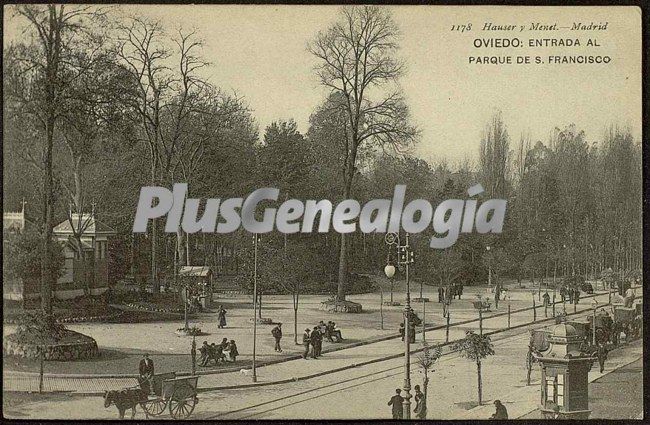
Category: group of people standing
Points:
column 572, row 294
column 397, row 403
column 448, row 293
column 314, row 338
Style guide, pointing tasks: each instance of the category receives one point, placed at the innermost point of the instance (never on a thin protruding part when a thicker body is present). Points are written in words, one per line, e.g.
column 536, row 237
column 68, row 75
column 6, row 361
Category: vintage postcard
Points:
column 276, row 212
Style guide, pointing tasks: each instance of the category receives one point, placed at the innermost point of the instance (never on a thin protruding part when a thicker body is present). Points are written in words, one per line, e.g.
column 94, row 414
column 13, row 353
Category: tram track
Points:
column 501, row 336
column 447, row 355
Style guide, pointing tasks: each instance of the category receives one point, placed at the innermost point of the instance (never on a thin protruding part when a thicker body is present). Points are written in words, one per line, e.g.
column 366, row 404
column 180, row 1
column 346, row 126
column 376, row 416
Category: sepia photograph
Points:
column 322, row 212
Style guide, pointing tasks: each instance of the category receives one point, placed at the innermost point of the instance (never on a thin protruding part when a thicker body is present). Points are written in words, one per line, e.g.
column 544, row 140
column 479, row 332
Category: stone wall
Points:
column 84, row 347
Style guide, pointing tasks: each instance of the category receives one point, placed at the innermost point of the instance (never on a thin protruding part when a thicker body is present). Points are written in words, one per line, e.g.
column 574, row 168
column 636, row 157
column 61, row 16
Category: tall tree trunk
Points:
column 46, row 275
column 480, row 384
column 343, row 255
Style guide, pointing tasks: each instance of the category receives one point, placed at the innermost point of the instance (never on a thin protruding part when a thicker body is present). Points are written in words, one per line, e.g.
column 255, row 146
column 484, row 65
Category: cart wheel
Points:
column 155, row 407
column 182, row 402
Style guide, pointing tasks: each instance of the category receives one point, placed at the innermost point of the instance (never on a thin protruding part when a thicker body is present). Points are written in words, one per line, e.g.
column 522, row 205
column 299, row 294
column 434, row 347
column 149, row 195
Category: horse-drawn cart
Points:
column 169, row 392
column 177, row 394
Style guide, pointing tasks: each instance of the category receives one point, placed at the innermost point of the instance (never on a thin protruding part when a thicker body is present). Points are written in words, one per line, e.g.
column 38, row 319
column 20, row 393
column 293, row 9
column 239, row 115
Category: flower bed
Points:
column 145, row 306
column 72, row 346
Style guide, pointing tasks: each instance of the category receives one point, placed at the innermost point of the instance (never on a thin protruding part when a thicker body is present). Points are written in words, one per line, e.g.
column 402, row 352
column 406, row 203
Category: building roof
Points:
column 86, row 222
column 201, row 271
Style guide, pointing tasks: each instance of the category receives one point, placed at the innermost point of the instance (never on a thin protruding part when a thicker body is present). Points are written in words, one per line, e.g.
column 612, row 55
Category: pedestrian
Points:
column 460, row 291
column 441, row 294
column 420, row 404
column 497, row 295
column 501, row 412
column 396, row 401
column 232, row 351
column 224, row 343
column 314, row 339
column 401, row 330
column 204, row 350
column 306, row 340
column 146, row 370
column 277, row 334
column 602, row 356
column 576, row 296
column 222, row 317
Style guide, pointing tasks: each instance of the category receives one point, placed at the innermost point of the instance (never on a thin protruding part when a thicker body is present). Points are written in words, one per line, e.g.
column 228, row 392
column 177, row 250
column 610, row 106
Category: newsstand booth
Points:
column 565, row 373
column 199, row 280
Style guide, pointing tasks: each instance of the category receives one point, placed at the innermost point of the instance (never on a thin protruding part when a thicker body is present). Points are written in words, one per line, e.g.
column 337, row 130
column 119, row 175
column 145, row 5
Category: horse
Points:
column 128, row 398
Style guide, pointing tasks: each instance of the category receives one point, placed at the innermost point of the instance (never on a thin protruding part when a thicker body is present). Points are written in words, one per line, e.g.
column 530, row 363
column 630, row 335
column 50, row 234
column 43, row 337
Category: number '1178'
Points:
column 462, row 28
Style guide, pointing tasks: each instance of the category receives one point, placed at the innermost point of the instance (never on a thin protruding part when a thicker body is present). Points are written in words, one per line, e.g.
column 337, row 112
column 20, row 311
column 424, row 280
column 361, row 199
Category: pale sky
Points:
column 260, row 52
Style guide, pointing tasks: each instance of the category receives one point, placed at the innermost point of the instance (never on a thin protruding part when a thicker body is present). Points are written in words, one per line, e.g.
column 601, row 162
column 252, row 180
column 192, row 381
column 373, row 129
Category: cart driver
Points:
column 146, row 370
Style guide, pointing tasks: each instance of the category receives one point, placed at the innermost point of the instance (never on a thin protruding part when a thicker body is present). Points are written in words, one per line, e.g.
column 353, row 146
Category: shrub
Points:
column 39, row 328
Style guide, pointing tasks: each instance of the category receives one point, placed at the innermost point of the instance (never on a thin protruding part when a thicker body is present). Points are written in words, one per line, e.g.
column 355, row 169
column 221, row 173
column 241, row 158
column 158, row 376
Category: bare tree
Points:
column 144, row 53
column 357, row 63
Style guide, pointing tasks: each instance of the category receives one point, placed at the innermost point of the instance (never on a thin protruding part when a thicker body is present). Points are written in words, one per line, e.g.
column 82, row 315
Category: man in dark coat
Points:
column 277, row 334
column 306, row 340
column 396, row 401
column 146, row 370
column 316, row 340
column 441, row 294
column 501, row 412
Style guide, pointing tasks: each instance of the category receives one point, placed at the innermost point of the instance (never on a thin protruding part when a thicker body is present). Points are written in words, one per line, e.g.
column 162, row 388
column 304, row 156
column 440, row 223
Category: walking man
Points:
column 315, row 337
column 306, row 340
column 277, row 334
column 396, row 401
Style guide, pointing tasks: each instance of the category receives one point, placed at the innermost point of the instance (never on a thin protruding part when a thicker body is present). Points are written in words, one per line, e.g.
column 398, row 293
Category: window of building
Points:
column 555, row 389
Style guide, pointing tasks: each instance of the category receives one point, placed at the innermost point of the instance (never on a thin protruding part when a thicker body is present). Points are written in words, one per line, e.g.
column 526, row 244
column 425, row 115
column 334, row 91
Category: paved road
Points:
column 287, row 370
column 452, row 392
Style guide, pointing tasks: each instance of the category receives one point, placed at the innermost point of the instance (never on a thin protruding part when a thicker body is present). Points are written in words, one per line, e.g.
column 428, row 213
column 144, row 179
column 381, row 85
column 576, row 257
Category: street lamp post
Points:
column 593, row 322
column 424, row 320
column 405, row 258
column 255, row 307
column 487, row 248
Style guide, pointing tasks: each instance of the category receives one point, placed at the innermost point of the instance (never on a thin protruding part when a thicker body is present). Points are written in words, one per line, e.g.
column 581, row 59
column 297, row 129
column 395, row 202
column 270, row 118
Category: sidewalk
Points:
column 523, row 403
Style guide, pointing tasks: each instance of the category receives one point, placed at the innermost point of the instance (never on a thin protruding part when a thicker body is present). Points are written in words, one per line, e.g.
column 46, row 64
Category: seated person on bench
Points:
column 215, row 353
column 332, row 331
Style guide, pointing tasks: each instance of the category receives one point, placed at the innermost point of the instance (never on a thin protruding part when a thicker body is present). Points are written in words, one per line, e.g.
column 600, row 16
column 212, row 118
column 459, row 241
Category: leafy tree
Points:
column 22, row 256
column 476, row 348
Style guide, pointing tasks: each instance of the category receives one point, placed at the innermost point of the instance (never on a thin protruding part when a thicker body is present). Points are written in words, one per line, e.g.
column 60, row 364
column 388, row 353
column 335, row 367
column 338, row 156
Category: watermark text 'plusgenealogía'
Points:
column 450, row 217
